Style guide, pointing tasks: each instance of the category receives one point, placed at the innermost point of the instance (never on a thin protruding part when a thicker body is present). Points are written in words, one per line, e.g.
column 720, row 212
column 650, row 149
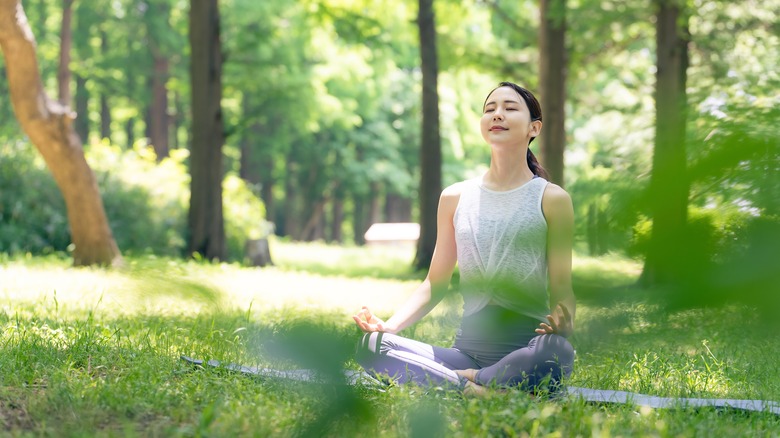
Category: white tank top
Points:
column 502, row 248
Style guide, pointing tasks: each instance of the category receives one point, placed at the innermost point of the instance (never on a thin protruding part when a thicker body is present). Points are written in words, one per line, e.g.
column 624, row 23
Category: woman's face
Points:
column 507, row 120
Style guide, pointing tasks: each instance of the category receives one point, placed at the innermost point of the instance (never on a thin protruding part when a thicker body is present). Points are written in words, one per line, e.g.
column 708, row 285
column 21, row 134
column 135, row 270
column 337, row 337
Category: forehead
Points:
column 503, row 94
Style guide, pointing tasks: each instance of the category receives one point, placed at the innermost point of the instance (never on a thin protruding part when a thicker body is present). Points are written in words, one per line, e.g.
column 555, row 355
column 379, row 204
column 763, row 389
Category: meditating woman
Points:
column 510, row 232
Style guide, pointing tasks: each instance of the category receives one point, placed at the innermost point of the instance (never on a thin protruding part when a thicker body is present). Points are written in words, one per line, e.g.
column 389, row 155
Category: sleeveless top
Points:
column 501, row 242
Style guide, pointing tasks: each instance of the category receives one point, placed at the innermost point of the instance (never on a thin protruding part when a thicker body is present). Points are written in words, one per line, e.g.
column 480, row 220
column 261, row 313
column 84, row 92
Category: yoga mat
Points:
column 587, row 394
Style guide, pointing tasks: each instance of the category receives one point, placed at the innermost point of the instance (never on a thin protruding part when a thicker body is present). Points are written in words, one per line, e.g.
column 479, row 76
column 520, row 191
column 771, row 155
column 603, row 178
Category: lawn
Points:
column 92, row 352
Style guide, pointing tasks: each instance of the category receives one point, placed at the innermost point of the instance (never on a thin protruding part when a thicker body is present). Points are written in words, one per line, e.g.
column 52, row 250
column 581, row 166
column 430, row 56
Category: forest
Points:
column 146, row 145
column 209, row 123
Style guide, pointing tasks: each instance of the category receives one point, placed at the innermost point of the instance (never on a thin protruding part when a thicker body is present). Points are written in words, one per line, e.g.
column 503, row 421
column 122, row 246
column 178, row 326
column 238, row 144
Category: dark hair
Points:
column 536, row 114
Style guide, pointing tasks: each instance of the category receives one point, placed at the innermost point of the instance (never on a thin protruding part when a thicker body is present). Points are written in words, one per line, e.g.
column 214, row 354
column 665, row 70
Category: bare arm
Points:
column 436, row 283
column 559, row 213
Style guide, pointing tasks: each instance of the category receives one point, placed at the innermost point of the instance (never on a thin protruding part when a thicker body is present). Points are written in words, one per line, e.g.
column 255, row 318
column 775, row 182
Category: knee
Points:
column 557, row 351
column 369, row 343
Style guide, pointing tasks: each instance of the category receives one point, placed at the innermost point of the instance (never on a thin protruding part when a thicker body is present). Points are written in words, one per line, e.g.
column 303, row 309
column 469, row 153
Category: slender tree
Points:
column 105, row 108
column 66, row 41
column 666, row 258
column 158, row 32
column 430, row 147
column 49, row 125
column 552, row 85
column 206, row 222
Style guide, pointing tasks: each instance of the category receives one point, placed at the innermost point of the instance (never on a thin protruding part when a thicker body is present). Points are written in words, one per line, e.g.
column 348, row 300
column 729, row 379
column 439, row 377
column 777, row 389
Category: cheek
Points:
column 484, row 122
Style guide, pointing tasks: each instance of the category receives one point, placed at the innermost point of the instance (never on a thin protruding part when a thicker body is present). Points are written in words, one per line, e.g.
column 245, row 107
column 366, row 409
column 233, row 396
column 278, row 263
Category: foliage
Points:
column 244, row 216
column 321, row 100
column 32, row 211
column 146, row 202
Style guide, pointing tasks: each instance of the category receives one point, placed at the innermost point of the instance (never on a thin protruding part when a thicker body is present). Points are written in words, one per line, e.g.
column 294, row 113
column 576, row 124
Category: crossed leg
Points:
column 547, row 358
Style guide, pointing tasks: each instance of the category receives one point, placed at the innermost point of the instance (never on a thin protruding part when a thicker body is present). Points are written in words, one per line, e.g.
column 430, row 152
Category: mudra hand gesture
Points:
column 368, row 322
column 559, row 324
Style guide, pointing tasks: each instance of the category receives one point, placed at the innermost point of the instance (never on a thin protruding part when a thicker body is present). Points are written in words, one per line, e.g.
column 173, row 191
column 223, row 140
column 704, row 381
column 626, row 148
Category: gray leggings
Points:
column 545, row 359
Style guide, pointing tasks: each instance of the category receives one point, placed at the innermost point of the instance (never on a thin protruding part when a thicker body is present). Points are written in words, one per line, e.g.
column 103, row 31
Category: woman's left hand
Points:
column 562, row 325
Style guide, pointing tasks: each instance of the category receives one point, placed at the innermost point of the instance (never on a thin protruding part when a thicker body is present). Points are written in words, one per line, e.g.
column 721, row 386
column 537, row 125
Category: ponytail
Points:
column 534, row 165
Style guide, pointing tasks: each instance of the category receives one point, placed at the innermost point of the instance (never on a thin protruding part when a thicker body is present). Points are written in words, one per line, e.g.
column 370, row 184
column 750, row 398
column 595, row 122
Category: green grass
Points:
column 90, row 352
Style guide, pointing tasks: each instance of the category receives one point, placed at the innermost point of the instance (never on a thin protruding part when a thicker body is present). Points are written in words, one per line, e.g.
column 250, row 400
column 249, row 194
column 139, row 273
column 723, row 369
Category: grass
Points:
column 90, row 352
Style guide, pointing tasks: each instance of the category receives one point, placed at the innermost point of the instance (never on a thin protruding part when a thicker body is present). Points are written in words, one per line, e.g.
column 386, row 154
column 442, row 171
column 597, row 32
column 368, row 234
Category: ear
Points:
column 536, row 128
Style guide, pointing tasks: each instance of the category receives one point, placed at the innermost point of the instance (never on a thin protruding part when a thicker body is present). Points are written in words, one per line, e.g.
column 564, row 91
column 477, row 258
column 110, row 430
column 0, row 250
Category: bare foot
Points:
column 470, row 374
column 474, row 390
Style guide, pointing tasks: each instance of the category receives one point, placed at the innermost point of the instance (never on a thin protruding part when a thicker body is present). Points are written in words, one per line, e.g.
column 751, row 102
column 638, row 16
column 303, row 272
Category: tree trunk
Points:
column 176, row 120
column 397, row 209
column 50, row 128
column 158, row 129
column 290, row 222
column 105, row 109
column 82, row 109
column 105, row 117
column 552, row 86
column 359, row 226
column 666, row 258
column 374, row 211
column 130, row 75
column 205, row 220
column 338, row 218
column 267, row 192
column 430, row 147
column 66, row 41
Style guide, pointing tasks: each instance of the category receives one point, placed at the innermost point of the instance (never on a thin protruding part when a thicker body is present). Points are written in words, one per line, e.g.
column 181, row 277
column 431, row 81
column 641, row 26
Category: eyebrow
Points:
column 492, row 102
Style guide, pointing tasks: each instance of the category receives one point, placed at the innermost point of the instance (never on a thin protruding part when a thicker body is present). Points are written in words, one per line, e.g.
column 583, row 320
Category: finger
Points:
column 565, row 311
column 553, row 323
column 544, row 327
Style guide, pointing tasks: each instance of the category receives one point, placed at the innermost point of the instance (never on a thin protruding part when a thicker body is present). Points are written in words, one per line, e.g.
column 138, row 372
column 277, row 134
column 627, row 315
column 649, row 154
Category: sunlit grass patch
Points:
column 101, row 356
column 379, row 261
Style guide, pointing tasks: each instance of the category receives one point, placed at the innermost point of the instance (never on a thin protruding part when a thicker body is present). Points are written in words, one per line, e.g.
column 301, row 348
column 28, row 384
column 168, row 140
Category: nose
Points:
column 497, row 115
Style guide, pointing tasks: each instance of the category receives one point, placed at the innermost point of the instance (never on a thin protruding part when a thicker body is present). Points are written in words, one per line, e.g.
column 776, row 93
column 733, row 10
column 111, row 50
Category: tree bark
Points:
column 205, row 219
column 430, row 148
column 337, row 220
column 666, row 258
column 66, row 41
column 156, row 17
column 359, row 226
column 397, row 209
column 290, row 222
column 552, row 86
column 105, row 109
column 158, row 131
column 82, row 109
column 50, row 128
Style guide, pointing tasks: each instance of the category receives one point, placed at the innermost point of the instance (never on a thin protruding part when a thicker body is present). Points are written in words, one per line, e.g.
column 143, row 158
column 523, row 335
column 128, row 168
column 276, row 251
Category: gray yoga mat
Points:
column 587, row 394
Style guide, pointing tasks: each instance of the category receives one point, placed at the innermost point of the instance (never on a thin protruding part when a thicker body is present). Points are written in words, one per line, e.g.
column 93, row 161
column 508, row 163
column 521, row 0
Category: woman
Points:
column 510, row 232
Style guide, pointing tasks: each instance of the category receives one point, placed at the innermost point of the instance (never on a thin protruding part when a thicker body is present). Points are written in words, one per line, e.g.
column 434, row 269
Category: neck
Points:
column 508, row 169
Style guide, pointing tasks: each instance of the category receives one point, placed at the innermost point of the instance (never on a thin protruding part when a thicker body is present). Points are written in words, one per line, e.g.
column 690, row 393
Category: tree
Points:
column 668, row 254
column 49, row 126
column 430, row 140
column 159, row 37
column 552, row 85
column 205, row 220
column 66, row 38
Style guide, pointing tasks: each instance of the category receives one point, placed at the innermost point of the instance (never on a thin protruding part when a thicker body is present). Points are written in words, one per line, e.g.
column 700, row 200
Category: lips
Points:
column 498, row 128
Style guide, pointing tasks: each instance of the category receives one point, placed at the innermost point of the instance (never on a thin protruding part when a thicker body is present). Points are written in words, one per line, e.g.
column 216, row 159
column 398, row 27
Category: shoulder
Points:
column 450, row 196
column 556, row 202
column 454, row 190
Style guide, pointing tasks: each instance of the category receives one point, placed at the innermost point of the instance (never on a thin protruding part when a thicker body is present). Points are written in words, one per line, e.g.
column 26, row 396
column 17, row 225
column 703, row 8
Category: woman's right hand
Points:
column 368, row 322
